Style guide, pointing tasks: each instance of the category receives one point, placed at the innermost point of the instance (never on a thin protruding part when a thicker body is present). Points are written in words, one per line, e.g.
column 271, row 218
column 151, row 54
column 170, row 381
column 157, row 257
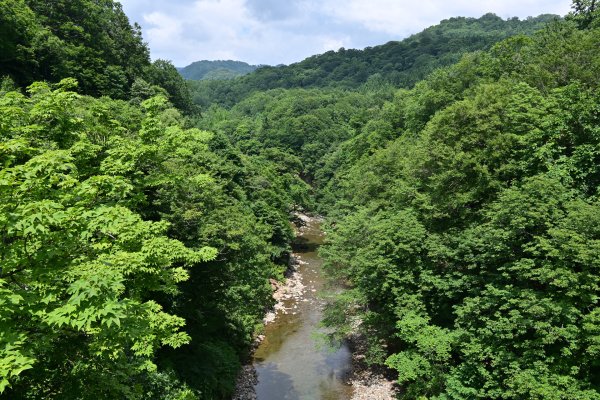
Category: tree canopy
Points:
column 400, row 63
column 460, row 186
column 216, row 70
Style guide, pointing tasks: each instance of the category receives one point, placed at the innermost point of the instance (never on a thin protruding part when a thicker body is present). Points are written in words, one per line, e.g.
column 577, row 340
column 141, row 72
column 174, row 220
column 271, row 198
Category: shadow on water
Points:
column 306, row 244
column 304, row 247
column 335, row 363
column 275, row 384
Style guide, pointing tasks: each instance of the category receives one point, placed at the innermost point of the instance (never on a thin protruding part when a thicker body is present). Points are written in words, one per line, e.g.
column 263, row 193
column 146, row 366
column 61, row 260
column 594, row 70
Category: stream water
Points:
column 290, row 363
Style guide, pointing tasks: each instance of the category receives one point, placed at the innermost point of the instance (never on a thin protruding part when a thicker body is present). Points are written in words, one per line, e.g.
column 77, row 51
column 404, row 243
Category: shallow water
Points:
column 290, row 362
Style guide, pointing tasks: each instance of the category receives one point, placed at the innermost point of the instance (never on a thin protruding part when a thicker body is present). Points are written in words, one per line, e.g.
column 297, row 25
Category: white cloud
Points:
column 199, row 30
column 332, row 43
column 387, row 16
column 399, row 17
column 163, row 29
column 277, row 31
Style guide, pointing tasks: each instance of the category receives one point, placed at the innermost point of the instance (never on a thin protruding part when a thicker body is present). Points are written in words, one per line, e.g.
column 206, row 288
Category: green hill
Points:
column 141, row 239
column 91, row 41
column 401, row 63
column 462, row 214
column 216, row 70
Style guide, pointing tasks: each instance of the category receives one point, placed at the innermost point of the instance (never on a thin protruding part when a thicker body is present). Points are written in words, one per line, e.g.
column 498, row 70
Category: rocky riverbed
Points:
column 291, row 288
column 368, row 383
column 294, row 297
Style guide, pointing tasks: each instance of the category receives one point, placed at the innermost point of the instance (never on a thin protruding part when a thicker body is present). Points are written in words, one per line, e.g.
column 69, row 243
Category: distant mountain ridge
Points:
column 216, row 70
column 400, row 63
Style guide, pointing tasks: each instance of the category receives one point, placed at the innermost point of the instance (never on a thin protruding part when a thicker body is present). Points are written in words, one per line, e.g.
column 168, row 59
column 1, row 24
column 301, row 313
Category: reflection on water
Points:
column 274, row 384
column 289, row 362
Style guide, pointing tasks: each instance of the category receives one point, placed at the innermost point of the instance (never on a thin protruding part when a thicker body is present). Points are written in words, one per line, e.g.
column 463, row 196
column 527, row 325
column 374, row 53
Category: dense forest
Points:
column 216, row 70
column 140, row 231
column 401, row 64
column 136, row 248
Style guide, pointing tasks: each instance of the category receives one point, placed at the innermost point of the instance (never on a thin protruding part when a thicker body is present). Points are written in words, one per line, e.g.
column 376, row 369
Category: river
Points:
column 290, row 363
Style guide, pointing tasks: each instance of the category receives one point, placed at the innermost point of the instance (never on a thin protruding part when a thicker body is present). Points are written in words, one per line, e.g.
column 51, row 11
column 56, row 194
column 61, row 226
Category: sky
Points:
column 276, row 32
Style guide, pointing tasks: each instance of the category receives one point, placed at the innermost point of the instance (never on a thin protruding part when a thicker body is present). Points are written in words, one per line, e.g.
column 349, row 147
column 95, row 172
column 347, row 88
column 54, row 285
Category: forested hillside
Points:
column 460, row 187
column 462, row 213
column 401, row 64
column 91, row 41
column 216, row 70
column 136, row 249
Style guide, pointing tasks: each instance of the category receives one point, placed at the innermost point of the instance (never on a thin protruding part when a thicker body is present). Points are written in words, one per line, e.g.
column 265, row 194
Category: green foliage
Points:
column 294, row 128
column 16, row 31
column 453, row 210
column 91, row 41
column 401, row 64
column 463, row 209
column 585, row 13
column 105, row 207
column 216, row 70
column 163, row 74
column 468, row 237
column 79, row 264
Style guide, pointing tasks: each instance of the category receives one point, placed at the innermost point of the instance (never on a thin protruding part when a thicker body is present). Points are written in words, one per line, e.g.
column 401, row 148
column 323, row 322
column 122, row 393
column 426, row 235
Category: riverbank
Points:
column 368, row 383
column 290, row 288
column 285, row 359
